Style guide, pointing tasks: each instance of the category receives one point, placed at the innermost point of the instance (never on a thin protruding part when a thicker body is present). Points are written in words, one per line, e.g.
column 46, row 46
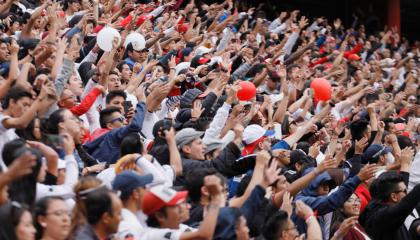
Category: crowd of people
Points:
column 154, row 142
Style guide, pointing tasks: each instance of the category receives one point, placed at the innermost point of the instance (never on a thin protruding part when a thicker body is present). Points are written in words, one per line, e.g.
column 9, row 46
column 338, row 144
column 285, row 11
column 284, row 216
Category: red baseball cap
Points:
column 161, row 196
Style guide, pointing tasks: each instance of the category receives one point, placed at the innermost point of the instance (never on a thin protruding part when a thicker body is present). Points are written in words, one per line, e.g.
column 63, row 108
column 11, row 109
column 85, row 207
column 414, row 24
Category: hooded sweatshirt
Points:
column 323, row 205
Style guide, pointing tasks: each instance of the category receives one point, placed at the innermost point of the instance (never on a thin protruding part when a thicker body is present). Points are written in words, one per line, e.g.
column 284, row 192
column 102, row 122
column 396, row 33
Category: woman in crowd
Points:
column 350, row 210
column 16, row 222
column 52, row 218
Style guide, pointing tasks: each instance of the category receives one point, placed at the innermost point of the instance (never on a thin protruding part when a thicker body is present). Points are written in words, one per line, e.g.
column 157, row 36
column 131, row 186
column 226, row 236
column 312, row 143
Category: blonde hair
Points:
column 79, row 211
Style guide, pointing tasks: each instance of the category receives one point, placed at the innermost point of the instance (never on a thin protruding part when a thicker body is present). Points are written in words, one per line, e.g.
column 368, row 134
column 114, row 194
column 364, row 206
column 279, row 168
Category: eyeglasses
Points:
column 59, row 213
column 353, row 200
column 119, row 119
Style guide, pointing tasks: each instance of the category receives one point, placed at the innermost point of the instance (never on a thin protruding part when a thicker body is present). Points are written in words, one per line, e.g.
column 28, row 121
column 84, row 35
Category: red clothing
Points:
column 86, row 103
column 97, row 133
column 364, row 195
column 322, row 60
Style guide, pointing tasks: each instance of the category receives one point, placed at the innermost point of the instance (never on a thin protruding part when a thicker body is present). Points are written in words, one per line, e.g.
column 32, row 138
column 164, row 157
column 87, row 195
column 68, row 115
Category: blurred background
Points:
column 375, row 14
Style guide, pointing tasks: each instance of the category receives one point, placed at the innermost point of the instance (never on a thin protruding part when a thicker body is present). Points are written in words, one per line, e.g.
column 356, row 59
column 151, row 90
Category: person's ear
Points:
column 61, row 125
column 298, row 166
column 41, row 221
column 109, row 125
column 204, row 191
column 186, row 149
column 160, row 217
column 261, row 145
column 106, row 218
column 12, row 101
column 394, row 197
column 382, row 160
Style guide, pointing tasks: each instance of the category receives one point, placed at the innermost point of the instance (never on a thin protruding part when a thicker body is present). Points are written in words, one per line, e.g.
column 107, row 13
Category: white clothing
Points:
column 165, row 233
column 65, row 190
column 6, row 135
column 129, row 226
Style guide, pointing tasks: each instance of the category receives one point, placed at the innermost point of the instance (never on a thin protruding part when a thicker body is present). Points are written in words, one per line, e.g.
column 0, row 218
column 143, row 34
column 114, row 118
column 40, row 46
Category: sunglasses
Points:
column 119, row 119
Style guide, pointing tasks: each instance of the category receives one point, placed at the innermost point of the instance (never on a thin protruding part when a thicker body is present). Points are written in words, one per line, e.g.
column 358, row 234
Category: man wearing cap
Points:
column 166, row 209
column 135, row 55
column 132, row 187
column 192, row 151
column 255, row 139
column 379, row 154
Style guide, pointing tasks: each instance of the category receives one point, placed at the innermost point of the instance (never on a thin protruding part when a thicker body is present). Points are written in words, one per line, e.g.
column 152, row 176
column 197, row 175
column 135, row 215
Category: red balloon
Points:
column 247, row 91
column 322, row 89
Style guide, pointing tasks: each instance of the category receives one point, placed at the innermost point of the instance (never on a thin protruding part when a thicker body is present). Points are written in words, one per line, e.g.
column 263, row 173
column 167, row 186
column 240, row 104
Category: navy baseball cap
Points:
column 372, row 153
column 127, row 181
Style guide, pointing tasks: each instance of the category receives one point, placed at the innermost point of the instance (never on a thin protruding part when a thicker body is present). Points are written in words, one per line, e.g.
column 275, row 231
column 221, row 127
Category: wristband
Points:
column 309, row 217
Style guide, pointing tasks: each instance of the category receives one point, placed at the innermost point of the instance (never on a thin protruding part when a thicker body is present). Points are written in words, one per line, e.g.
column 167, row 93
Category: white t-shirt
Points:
column 166, row 233
column 6, row 135
column 129, row 226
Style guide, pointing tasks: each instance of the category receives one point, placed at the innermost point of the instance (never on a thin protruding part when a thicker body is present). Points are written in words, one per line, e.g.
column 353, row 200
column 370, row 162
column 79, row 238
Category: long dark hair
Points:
column 40, row 209
column 24, row 189
column 10, row 215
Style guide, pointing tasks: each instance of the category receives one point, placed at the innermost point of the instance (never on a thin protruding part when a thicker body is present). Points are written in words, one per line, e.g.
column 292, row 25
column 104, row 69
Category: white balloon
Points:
column 105, row 38
column 137, row 40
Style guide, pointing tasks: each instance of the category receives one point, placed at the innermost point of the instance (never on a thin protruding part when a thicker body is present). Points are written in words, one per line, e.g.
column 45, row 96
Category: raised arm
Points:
column 208, row 225
column 174, row 156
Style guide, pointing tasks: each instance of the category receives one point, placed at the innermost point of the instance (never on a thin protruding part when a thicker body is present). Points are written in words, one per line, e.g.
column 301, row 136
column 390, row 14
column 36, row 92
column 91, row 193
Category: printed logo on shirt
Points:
column 129, row 237
column 168, row 235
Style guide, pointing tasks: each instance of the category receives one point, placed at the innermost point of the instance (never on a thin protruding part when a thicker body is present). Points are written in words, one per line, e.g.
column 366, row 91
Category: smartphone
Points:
column 127, row 106
column 259, row 98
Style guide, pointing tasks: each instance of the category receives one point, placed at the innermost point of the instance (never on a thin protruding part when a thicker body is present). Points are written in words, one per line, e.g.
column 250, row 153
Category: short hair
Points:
column 152, row 219
column 121, row 65
column 257, row 68
column 131, row 144
column 358, row 128
column 194, row 180
column 106, row 114
column 116, row 93
column 98, row 202
column 112, row 72
column 15, row 93
column 387, row 183
column 275, row 225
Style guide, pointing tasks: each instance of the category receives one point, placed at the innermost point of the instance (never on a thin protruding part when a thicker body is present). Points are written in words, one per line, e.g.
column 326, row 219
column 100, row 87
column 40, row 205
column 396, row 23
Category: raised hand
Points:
column 407, row 155
column 360, row 145
column 328, row 163
column 68, row 143
column 271, row 174
column 302, row 210
column 197, row 110
column 21, row 166
column 287, row 203
column 367, row 172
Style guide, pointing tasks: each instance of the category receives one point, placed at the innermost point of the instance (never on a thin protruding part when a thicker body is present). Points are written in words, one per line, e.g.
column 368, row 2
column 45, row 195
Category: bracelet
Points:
column 309, row 217
column 331, row 104
column 212, row 206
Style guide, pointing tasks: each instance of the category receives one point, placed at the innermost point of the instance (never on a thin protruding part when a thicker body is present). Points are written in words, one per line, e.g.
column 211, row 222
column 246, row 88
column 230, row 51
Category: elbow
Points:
column 204, row 236
column 178, row 171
